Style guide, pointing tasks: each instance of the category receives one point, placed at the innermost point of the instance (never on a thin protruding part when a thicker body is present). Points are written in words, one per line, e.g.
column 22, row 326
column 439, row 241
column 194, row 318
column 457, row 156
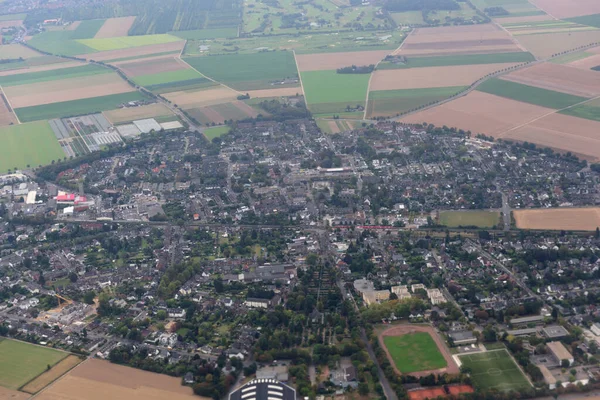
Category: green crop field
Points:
column 167, row 77
column 87, row 29
column 188, row 84
column 466, row 59
column 495, row 370
column 589, row 110
column 201, row 34
column 569, row 58
column 529, row 94
column 330, row 92
column 55, row 74
column 480, row 219
column 75, row 107
column 217, row 131
column 59, row 43
column 27, row 144
column 126, row 42
column 414, row 352
column 247, row 71
column 392, row 102
column 590, row 20
column 12, row 17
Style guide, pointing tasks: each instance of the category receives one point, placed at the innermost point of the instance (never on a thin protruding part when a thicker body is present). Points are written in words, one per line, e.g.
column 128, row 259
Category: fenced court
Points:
column 495, row 370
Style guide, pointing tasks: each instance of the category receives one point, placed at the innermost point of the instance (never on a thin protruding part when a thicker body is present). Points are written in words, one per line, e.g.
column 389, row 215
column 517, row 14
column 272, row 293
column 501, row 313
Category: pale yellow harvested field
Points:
column 281, row 92
column 16, row 51
column 133, row 113
column 586, row 63
column 560, row 78
column 7, row 394
column 568, row 219
column 561, row 132
column 8, row 24
column 329, row 61
column 42, row 68
column 100, row 380
column 333, row 127
column 429, row 77
column 6, row 116
column 480, row 113
column 50, row 376
column 201, row 98
column 135, row 51
column 146, row 66
column 568, row 8
column 66, row 89
column 546, row 44
column 115, row 27
column 517, row 20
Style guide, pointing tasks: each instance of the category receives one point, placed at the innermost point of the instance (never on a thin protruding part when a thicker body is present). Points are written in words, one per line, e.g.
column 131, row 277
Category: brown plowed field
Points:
column 134, row 113
column 281, row 92
column 399, row 330
column 100, row 380
column 568, row 8
column 7, row 394
column 6, row 116
column 115, row 27
column 207, row 114
column 329, row 61
column 134, row 51
column 430, row 77
column 146, row 67
column 517, row 20
column 16, row 51
column 50, row 376
column 480, row 113
column 333, row 127
column 569, row 219
column 546, row 44
column 560, row 78
column 561, row 132
column 8, row 24
column 201, row 98
column 586, row 63
column 41, row 68
column 66, row 90
column 245, row 108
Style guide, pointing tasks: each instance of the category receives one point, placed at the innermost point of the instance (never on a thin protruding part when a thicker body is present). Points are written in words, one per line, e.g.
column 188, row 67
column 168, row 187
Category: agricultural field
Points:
column 414, row 352
column 569, row 219
column 59, row 43
column 163, row 82
column 51, row 375
column 546, row 45
column 17, row 51
column 393, row 102
column 589, row 110
column 432, row 77
column 548, row 26
column 128, row 114
column 410, row 18
column 87, row 29
column 336, row 125
column 328, row 92
column 589, row 20
column 323, row 62
column 568, row 9
column 529, row 94
column 571, row 58
column 515, row 8
column 21, row 362
column 220, row 113
column 114, row 27
column 7, row 117
column 216, row 131
column 480, row 219
column 201, row 98
column 126, row 42
column 495, row 370
column 99, row 380
column 154, row 50
column 76, row 107
column 466, row 59
column 28, row 78
column 203, row 34
column 249, row 71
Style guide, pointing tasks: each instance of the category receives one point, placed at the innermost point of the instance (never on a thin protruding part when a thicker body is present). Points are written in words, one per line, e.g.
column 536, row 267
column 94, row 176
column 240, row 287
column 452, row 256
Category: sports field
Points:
column 464, row 59
column 126, row 42
column 21, row 362
column 55, row 74
column 247, row 71
column 480, row 219
column 414, row 352
column 75, row 107
column 495, row 370
column 330, row 92
column 217, row 131
column 27, row 144
column 529, row 94
column 392, row 102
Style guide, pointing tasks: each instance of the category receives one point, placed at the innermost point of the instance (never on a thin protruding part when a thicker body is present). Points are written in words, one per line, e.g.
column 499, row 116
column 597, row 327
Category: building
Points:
column 548, row 377
column 401, row 291
column 555, row 332
column 560, row 352
column 596, row 329
column 257, row 303
column 462, row 338
column 534, row 319
column 279, row 373
column 375, row 296
column 435, row 296
column 345, row 377
column 264, row 389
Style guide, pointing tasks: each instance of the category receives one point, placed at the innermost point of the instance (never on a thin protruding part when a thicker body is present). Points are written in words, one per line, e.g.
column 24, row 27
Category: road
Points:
column 505, row 211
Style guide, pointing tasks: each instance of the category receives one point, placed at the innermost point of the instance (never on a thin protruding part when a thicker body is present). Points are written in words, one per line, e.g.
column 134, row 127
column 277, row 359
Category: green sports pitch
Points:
column 414, row 352
column 21, row 362
column 495, row 370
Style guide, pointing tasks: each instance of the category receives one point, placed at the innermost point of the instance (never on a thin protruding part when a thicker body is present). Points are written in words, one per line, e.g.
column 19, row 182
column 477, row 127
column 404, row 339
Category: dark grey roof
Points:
column 264, row 389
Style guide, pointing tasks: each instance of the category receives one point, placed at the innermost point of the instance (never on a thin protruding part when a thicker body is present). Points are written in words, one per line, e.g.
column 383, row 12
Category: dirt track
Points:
column 399, row 330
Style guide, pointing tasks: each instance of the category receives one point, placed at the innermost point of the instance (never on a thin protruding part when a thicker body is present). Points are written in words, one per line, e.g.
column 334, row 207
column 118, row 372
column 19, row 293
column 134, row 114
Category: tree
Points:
column 88, row 297
column 565, row 363
column 161, row 315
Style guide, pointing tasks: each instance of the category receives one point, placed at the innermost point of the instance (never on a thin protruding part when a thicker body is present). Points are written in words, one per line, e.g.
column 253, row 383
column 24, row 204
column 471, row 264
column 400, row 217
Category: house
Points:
column 560, row 352
column 596, row 329
column 345, row 377
column 176, row 312
column 257, row 303
column 534, row 319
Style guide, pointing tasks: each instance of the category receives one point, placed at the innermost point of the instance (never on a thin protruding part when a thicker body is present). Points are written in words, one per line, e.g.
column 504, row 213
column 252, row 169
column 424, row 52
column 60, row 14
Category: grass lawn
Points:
column 52, row 75
column 166, row 77
column 247, row 71
column 495, row 370
column 28, row 144
column 200, row 34
column 480, row 219
column 126, row 42
column 414, row 352
column 88, row 29
column 21, row 362
column 529, row 94
column 217, row 131
column 391, row 102
column 322, row 87
column 76, row 107
column 466, row 59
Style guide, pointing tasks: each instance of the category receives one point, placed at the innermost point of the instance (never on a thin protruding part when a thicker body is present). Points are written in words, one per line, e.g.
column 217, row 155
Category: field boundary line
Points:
column 12, row 109
column 300, row 79
column 59, row 379
column 49, row 383
column 208, row 77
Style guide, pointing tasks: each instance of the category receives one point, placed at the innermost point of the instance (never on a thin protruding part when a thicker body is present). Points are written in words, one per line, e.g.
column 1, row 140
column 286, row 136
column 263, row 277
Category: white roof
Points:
column 147, row 125
column 171, row 125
